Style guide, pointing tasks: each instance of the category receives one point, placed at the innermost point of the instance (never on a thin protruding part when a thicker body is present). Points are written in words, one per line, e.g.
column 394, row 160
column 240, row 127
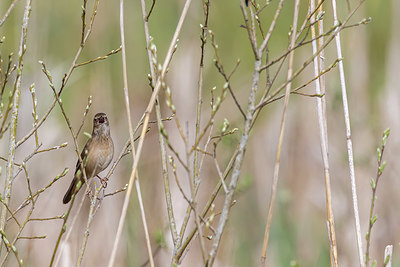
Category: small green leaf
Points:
column 320, row 15
column 373, row 220
column 374, row 263
column 225, row 126
column 382, row 167
column 88, row 135
column 379, row 153
column 385, row 136
column 373, row 183
column 387, row 259
column 386, row 132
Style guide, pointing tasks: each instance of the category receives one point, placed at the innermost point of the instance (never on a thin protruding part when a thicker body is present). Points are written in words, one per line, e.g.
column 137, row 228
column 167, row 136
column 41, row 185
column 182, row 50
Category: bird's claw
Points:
column 104, row 181
column 89, row 192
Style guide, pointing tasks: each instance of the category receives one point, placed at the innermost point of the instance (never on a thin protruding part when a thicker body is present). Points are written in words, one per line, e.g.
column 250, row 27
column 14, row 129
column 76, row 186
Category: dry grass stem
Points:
column 348, row 137
column 281, row 133
column 322, row 123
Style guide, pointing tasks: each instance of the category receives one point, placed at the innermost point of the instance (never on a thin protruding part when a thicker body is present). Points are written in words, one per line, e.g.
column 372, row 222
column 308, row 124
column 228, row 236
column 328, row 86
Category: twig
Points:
column 70, row 230
column 21, row 228
column 250, row 31
column 83, row 21
column 12, row 5
column 84, row 115
column 374, row 186
column 74, row 136
column 63, row 228
column 33, row 237
column 58, row 100
column 64, row 80
column 265, row 100
column 117, row 191
column 271, row 29
column 112, row 52
column 146, row 19
column 10, row 247
column 207, row 207
column 38, row 192
column 7, row 74
column 218, row 64
column 92, row 212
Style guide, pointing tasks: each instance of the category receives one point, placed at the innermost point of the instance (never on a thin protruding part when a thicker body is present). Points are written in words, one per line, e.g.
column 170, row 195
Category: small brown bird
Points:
column 96, row 155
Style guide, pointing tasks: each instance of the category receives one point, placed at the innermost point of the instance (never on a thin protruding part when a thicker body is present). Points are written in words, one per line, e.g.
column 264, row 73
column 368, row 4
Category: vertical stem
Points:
column 134, row 169
column 281, row 134
column 144, row 127
column 92, row 212
column 348, row 137
column 14, row 116
column 196, row 167
column 145, row 228
column 172, row 223
column 238, row 163
column 322, row 123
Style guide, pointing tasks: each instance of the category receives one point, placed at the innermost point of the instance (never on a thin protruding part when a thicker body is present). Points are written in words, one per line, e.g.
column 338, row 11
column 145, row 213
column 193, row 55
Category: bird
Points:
column 96, row 155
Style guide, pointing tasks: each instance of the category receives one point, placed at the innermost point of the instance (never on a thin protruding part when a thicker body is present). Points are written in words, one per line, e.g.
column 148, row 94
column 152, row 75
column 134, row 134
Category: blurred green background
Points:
column 298, row 235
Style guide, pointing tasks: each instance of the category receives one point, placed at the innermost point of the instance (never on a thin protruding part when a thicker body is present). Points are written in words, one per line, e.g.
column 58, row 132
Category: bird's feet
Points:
column 103, row 181
column 89, row 192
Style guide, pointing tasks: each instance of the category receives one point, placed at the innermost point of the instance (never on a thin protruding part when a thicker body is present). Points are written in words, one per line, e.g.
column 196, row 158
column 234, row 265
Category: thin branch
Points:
column 207, row 207
column 92, row 212
column 218, row 64
column 9, row 246
column 374, row 186
column 112, row 52
column 64, row 80
column 10, row 8
column 271, row 29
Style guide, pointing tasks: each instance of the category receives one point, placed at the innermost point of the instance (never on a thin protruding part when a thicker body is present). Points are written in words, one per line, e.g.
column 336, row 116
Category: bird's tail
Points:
column 70, row 191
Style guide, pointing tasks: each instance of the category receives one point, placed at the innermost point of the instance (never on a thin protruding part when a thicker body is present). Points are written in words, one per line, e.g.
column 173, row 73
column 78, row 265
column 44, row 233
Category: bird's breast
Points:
column 99, row 158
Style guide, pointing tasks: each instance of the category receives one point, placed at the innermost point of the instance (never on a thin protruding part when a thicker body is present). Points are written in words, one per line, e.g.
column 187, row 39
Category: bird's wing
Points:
column 84, row 155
